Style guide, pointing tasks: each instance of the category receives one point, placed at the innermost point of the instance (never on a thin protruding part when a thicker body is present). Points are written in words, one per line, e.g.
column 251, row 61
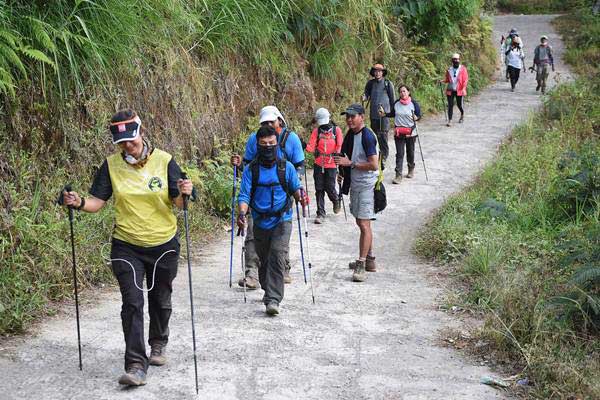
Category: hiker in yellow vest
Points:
column 145, row 183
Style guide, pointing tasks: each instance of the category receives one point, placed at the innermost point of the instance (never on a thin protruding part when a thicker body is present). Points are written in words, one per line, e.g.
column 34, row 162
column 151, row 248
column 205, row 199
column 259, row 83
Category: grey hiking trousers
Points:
column 272, row 246
column 252, row 261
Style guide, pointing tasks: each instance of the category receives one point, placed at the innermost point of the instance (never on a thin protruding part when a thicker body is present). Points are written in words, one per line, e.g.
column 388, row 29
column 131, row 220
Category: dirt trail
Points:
column 376, row 340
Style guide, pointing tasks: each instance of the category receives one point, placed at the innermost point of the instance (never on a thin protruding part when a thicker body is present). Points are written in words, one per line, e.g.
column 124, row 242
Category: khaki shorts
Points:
column 362, row 204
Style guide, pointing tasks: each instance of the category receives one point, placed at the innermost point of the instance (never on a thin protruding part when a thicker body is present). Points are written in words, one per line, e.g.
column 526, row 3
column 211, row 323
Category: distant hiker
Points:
column 457, row 79
column 290, row 149
column 516, row 61
column 145, row 182
column 405, row 112
column 325, row 141
column 268, row 183
column 542, row 58
column 379, row 92
column 359, row 173
column 506, row 45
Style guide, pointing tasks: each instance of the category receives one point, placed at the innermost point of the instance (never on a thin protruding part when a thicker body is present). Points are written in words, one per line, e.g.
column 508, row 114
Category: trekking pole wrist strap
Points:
column 81, row 205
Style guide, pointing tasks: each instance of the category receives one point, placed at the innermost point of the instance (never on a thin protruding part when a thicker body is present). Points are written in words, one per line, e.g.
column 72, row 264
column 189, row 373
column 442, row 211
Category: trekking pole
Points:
column 444, row 101
column 301, row 247
column 60, row 201
column 242, row 232
column 306, row 183
column 189, row 265
column 341, row 198
column 307, row 249
column 232, row 226
column 420, row 149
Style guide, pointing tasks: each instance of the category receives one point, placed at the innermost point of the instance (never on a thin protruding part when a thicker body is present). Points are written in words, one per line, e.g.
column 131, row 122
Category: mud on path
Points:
column 373, row 340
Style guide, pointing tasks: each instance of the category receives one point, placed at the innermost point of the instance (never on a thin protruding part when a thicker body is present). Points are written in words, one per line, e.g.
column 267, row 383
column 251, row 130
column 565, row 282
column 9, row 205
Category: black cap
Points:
column 354, row 109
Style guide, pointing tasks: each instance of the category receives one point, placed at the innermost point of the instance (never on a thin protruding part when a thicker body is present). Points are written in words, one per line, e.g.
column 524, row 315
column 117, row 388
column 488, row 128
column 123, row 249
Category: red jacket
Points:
column 461, row 83
column 326, row 146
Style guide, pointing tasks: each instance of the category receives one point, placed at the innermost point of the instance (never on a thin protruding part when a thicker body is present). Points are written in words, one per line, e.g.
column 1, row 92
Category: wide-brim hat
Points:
column 377, row 67
column 270, row 113
column 125, row 131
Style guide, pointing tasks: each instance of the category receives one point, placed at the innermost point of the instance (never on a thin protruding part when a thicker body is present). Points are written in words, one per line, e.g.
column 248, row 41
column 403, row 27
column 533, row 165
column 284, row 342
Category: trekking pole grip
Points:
column 185, row 197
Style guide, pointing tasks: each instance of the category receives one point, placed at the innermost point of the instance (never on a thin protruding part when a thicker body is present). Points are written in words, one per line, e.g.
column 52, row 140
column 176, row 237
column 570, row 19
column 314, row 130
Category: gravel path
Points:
column 375, row 340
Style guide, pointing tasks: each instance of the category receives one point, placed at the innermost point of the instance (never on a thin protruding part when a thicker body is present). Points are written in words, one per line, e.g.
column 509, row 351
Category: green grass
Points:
column 525, row 238
column 540, row 6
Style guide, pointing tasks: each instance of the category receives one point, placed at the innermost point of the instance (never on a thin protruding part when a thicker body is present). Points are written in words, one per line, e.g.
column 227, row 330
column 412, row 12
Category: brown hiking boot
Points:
column 251, row 283
column 157, row 354
column 286, row 276
column 369, row 265
column 135, row 376
column 411, row 172
column 398, row 178
column 337, row 207
column 360, row 274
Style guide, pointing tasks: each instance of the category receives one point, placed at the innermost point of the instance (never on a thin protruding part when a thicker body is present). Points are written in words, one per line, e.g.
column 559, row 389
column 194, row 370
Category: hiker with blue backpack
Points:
column 325, row 142
column 289, row 148
column 269, row 182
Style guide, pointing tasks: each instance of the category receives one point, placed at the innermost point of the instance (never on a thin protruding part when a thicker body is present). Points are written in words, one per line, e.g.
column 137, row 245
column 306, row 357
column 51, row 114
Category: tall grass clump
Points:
column 525, row 238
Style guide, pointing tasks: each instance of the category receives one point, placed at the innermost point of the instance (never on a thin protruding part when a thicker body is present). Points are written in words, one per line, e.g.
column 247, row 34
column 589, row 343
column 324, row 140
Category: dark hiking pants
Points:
column 541, row 75
column 401, row 142
column 459, row 104
column 324, row 183
column 514, row 74
column 159, row 298
column 272, row 246
column 252, row 261
column 381, row 127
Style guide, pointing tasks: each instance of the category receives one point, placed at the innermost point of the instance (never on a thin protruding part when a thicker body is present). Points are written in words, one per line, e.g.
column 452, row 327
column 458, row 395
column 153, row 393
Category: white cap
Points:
column 322, row 116
column 270, row 113
column 455, row 55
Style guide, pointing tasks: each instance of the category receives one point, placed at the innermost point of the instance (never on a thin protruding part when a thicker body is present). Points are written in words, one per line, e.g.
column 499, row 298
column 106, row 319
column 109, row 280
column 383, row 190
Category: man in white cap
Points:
column 456, row 79
column 379, row 92
column 542, row 59
column 290, row 149
column 325, row 141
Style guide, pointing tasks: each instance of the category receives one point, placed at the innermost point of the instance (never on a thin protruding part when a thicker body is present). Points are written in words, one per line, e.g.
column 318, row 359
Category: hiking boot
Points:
column 449, row 123
column 411, row 172
column 319, row 219
column 337, row 207
column 272, row 308
column 462, row 119
column 157, row 354
column 251, row 283
column 286, row 276
column 369, row 265
column 360, row 273
column 398, row 178
column 135, row 376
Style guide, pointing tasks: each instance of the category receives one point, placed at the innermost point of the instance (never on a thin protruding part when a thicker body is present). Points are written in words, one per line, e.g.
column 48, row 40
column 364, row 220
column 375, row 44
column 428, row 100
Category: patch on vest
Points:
column 155, row 184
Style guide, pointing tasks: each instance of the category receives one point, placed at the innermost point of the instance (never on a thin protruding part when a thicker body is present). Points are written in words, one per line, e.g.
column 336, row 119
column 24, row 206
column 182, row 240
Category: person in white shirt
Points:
column 515, row 59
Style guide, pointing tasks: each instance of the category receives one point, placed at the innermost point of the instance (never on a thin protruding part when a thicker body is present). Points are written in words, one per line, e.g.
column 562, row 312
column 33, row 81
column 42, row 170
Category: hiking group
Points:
column 146, row 182
column 513, row 54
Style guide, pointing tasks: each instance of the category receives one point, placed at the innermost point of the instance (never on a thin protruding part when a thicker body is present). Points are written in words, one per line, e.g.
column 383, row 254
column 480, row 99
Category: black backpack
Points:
column 281, row 168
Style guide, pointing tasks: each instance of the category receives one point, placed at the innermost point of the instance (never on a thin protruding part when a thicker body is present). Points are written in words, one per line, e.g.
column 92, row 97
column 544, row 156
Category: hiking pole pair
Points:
column 232, row 225
column 189, row 265
column 302, row 247
column 420, row 149
column 60, row 201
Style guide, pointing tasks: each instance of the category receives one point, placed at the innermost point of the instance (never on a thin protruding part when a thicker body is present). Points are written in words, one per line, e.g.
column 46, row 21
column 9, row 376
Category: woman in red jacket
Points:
column 457, row 78
column 325, row 141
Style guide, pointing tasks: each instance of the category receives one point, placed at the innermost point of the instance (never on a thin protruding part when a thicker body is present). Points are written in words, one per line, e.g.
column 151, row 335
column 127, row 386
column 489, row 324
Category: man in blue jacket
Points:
column 268, row 185
column 289, row 148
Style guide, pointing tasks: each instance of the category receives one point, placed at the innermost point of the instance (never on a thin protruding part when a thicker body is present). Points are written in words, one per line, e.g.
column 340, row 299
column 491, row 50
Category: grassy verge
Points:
column 539, row 6
column 525, row 238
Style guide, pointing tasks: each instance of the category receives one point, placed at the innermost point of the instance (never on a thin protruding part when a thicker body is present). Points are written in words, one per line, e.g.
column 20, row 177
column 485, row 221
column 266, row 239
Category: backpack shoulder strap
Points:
column 284, row 139
column 281, row 170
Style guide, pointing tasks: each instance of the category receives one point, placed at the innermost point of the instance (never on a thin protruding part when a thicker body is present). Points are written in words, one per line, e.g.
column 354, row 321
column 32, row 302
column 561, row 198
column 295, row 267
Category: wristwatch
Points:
column 352, row 165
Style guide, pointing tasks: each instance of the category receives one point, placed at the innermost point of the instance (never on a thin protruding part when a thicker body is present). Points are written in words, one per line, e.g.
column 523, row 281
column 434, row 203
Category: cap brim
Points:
column 350, row 113
column 126, row 136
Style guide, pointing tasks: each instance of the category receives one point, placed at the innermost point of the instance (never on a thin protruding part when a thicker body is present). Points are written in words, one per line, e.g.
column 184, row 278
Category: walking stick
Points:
column 301, row 247
column 445, row 106
column 60, row 201
column 341, row 198
column 306, row 183
column 189, row 265
column 242, row 232
column 420, row 149
column 233, row 226
column 307, row 249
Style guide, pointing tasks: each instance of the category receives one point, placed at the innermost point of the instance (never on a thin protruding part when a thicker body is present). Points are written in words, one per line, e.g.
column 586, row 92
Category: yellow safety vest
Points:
column 143, row 209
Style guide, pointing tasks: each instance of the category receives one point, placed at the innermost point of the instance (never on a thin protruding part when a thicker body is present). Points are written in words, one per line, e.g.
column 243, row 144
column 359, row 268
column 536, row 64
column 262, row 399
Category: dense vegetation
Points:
column 525, row 238
column 197, row 72
column 538, row 6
